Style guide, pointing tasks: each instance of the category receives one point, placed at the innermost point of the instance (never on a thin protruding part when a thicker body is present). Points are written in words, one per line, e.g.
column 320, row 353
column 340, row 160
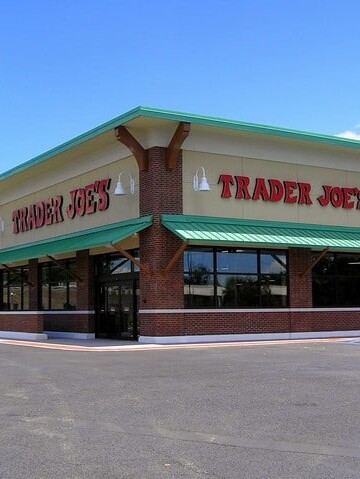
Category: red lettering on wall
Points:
column 260, row 190
column 276, row 190
column 90, row 205
column 87, row 200
column 242, row 187
column 290, row 186
column 226, row 180
column 103, row 194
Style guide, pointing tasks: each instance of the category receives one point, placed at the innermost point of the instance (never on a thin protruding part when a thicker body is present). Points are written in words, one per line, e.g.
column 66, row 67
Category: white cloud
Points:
column 351, row 135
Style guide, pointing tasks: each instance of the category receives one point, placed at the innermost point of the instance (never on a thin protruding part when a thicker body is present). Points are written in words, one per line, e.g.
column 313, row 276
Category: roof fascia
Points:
column 184, row 117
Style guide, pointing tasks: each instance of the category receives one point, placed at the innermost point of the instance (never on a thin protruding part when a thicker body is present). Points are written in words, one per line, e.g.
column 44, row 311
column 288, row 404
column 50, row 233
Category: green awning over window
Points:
column 202, row 230
column 93, row 238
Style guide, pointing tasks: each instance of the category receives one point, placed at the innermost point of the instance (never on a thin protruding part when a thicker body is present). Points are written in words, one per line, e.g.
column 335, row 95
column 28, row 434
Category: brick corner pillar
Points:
column 300, row 283
column 34, row 285
column 160, row 193
column 85, row 291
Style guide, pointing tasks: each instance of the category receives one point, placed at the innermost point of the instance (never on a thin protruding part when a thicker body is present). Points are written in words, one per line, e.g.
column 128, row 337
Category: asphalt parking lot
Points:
column 239, row 411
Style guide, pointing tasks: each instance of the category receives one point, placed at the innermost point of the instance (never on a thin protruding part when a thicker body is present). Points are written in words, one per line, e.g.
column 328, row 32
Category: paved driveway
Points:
column 241, row 411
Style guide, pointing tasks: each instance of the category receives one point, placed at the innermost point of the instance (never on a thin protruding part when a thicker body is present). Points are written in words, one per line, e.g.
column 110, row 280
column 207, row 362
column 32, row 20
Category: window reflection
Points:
column 58, row 286
column 235, row 278
column 236, row 262
column 15, row 289
column 336, row 280
column 113, row 264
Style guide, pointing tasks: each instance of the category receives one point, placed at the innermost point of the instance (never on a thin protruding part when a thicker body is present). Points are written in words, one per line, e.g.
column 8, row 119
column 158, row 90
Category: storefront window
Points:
column 235, row 278
column 114, row 264
column 15, row 289
column 336, row 280
column 58, row 286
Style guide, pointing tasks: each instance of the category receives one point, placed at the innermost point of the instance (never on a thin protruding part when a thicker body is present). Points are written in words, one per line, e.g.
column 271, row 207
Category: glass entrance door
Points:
column 117, row 307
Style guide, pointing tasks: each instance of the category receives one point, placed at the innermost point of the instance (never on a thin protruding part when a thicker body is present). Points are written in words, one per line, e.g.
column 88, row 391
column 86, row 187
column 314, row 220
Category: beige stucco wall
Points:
column 212, row 204
column 43, row 186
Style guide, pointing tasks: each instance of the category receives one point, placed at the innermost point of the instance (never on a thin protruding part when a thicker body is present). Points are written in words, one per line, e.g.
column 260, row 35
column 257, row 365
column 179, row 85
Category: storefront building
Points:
column 168, row 227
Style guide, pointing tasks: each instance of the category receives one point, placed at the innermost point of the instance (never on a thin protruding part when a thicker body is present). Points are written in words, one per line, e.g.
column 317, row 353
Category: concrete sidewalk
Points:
column 109, row 345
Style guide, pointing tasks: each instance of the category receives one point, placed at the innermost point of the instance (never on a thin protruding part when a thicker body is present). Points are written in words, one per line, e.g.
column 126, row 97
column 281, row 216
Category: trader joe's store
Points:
column 168, row 227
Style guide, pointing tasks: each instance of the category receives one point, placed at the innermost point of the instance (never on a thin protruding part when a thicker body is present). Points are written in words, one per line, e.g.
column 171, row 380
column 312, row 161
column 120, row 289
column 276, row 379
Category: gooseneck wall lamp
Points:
column 120, row 190
column 204, row 185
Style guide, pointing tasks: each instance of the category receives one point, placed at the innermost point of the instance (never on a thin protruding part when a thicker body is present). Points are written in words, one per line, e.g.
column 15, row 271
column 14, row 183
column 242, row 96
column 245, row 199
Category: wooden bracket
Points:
column 62, row 267
column 180, row 135
column 174, row 259
column 314, row 262
column 132, row 259
column 20, row 276
column 126, row 138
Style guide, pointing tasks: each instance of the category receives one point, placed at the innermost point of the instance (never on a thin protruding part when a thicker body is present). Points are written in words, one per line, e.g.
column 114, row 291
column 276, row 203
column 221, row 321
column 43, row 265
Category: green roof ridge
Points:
column 143, row 111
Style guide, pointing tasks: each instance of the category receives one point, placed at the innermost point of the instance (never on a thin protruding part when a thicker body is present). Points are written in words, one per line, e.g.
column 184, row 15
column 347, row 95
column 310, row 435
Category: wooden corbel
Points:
column 180, row 135
column 66, row 270
column 134, row 146
column 132, row 259
column 20, row 276
column 314, row 262
column 174, row 259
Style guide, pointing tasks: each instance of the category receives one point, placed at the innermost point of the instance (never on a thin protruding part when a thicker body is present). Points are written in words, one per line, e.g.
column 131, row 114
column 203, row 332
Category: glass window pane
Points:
column 199, row 294
column 72, row 295
column 348, row 264
column 198, row 261
column 5, row 298
column 273, row 262
column 58, row 296
column 326, row 266
column 26, row 296
column 15, row 296
column 324, row 291
column 229, row 261
column 45, row 296
column 348, row 291
column 238, row 291
column 273, row 290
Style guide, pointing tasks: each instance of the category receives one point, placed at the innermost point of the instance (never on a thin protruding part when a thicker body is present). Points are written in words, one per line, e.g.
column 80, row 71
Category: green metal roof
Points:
column 92, row 238
column 147, row 112
column 201, row 230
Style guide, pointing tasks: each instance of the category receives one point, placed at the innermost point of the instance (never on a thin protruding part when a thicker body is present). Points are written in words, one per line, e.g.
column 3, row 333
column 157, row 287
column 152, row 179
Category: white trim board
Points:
column 222, row 338
column 254, row 310
column 20, row 312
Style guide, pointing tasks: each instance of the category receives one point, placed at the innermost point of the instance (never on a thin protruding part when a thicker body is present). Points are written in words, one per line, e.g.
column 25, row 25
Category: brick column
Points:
column 85, row 291
column 160, row 193
column 300, row 285
column 34, row 289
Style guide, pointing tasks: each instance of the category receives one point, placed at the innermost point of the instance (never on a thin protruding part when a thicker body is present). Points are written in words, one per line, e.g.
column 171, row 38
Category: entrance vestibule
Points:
column 117, row 291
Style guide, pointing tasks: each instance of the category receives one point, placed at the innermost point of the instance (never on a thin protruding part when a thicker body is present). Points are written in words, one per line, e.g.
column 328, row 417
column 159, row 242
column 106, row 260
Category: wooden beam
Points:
column 132, row 259
column 314, row 262
column 126, row 138
column 174, row 259
column 172, row 152
column 62, row 267
column 20, row 276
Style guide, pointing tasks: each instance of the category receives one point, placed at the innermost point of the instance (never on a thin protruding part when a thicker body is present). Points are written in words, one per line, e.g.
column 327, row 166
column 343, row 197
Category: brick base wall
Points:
column 20, row 322
column 190, row 324
column 73, row 323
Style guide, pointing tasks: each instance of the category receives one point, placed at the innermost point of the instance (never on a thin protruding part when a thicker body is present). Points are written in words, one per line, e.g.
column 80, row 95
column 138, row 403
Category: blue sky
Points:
column 66, row 67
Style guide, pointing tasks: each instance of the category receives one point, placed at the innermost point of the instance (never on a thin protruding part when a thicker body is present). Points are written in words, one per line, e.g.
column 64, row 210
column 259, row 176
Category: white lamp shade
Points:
column 204, row 185
column 119, row 190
